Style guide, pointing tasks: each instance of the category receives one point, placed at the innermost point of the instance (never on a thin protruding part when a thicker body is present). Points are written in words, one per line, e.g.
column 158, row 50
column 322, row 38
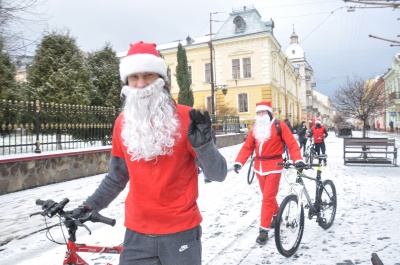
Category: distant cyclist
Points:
column 319, row 133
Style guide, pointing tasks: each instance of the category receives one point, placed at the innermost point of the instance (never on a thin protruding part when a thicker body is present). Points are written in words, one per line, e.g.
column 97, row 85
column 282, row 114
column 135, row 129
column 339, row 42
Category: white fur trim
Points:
column 318, row 121
column 140, row 63
column 263, row 107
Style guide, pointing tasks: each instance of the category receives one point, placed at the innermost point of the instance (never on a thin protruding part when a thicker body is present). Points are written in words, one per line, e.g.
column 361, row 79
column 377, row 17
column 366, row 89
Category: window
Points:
column 246, row 67
column 243, row 103
column 235, row 69
column 209, row 104
column 207, row 73
column 169, row 76
column 240, row 24
column 190, row 73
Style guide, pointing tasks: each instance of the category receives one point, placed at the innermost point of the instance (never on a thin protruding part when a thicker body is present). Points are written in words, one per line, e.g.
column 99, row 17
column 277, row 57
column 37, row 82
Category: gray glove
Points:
column 199, row 130
column 236, row 168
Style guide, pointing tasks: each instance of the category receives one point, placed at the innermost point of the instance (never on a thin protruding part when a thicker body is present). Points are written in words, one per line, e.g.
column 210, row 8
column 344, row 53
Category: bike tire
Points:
column 328, row 204
column 311, row 155
column 289, row 227
column 251, row 173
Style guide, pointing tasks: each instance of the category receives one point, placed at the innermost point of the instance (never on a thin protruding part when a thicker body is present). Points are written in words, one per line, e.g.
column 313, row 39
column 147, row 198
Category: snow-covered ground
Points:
column 367, row 219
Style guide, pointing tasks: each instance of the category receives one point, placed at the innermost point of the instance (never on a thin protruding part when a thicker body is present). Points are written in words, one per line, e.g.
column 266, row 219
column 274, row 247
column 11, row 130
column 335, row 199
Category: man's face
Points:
column 141, row 80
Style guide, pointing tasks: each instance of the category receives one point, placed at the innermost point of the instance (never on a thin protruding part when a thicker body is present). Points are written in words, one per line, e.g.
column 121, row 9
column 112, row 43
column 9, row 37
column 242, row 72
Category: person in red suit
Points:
column 319, row 133
column 268, row 146
column 157, row 148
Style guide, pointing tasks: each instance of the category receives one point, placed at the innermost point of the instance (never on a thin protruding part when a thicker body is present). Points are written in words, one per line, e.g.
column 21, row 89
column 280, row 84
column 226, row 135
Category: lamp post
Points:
column 211, row 65
column 211, row 69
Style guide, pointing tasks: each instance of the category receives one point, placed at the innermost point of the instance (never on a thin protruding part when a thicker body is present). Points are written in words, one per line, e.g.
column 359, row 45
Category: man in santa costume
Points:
column 155, row 145
column 319, row 133
column 268, row 147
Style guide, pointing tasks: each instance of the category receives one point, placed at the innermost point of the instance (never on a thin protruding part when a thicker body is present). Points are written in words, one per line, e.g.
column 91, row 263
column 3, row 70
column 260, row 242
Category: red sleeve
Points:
column 246, row 149
column 117, row 141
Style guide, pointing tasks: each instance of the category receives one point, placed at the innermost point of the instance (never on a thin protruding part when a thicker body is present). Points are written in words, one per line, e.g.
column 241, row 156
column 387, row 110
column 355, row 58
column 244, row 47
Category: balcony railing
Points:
column 394, row 97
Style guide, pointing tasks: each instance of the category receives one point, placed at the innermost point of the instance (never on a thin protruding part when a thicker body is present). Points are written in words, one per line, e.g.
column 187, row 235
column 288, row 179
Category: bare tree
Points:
column 358, row 99
column 16, row 16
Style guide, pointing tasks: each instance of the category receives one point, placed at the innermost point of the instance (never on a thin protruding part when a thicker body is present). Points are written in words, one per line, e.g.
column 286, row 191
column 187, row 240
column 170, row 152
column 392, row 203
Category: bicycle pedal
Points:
column 322, row 221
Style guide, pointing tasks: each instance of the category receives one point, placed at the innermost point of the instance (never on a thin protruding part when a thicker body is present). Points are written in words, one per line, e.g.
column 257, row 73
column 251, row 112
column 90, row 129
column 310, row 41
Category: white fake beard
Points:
column 150, row 126
column 262, row 128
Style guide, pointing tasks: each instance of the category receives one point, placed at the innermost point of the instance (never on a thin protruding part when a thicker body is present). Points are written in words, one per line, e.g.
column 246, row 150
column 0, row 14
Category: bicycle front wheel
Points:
column 289, row 226
column 328, row 204
column 251, row 173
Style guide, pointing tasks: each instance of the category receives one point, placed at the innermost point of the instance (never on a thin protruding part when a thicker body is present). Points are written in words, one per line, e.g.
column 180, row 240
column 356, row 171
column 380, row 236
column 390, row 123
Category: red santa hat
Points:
column 318, row 121
column 142, row 57
column 265, row 105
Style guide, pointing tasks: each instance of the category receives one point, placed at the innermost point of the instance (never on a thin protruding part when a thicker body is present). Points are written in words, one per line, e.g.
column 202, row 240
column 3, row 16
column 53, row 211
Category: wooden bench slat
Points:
column 371, row 152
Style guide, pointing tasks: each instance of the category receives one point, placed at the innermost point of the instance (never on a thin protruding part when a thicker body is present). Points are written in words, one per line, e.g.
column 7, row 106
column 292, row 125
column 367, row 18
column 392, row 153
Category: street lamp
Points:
column 223, row 89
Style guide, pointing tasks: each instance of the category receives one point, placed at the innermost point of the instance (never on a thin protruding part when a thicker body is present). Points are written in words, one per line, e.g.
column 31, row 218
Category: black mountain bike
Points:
column 290, row 218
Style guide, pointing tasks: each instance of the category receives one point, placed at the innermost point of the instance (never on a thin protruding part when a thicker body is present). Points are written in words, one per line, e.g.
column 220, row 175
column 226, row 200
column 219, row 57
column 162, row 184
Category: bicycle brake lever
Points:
column 32, row 214
column 87, row 228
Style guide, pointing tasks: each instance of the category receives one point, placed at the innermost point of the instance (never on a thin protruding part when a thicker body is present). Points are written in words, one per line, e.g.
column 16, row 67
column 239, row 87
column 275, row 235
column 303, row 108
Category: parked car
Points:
column 344, row 129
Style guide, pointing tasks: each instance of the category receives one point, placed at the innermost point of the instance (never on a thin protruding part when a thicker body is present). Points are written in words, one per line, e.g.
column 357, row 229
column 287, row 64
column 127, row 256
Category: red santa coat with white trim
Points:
column 271, row 148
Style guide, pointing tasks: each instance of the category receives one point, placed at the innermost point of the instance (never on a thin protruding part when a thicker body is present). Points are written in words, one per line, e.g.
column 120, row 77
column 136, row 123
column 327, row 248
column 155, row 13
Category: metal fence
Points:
column 225, row 124
column 28, row 127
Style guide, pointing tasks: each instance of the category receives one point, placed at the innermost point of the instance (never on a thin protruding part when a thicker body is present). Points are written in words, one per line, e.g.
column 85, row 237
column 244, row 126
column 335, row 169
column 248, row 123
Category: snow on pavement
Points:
column 367, row 218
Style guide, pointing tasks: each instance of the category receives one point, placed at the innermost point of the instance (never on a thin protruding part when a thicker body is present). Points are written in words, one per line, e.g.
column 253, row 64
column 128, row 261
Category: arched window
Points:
column 240, row 24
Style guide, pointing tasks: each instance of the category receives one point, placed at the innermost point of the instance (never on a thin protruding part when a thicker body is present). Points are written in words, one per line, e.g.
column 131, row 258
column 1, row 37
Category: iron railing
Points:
column 225, row 124
column 33, row 127
column 37, row 126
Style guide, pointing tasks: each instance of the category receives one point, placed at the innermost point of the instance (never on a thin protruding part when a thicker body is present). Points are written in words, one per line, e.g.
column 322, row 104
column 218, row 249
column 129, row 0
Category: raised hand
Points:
column 199, row 130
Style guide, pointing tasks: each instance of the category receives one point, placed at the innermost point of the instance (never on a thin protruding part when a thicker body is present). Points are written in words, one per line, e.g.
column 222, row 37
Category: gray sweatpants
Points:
column 181, row 248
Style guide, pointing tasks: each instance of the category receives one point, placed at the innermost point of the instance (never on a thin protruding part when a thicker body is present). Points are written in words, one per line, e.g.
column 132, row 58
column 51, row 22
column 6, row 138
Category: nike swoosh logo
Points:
column 183, row 248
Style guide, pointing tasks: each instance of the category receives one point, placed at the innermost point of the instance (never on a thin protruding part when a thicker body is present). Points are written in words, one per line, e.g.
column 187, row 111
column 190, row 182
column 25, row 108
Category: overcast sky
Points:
column 335, row 41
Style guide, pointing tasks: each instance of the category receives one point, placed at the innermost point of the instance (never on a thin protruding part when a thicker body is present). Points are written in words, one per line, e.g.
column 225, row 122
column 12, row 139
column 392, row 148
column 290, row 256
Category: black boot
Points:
column 263, row 237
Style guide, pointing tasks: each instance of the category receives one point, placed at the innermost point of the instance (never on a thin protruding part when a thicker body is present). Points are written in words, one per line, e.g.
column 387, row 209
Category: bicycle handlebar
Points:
column 51, row 208
column 291, row 165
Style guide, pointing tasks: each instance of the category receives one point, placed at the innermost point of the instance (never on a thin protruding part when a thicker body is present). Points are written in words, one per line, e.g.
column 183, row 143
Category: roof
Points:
column 173, row 45
column 234, row 26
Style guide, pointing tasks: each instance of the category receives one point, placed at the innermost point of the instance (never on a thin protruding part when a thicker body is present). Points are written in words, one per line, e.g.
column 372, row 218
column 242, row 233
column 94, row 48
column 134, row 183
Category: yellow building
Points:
column 248, row 67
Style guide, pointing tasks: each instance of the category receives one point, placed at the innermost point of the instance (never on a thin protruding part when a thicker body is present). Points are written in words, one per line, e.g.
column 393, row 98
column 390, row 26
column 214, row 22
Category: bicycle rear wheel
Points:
column 328, row 204
column 311, row 155
column 251, row 173
column 289, row 226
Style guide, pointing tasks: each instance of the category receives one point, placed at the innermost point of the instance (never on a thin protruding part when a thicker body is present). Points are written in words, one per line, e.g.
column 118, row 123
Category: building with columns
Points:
column 314, row 104
column 391, row 80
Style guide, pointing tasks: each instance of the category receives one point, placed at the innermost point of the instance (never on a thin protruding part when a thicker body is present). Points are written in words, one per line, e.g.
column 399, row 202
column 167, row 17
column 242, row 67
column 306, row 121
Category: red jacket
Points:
column 319, row 134
column 162, row 193
column 269, row 152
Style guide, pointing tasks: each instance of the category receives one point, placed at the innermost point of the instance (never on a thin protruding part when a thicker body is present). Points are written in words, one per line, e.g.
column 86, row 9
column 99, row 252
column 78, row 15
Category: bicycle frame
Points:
column 71, row 255
column 299, row 189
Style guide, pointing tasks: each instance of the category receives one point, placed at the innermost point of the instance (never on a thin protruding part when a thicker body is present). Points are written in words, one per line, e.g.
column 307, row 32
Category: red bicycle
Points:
column 72, row 220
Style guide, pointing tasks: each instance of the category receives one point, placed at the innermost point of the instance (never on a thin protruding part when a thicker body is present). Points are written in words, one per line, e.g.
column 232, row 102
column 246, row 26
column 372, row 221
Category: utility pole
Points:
column 211, row 69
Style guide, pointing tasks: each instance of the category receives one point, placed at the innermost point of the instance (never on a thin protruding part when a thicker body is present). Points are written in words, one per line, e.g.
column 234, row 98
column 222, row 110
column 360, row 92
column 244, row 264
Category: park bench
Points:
column 369, row 151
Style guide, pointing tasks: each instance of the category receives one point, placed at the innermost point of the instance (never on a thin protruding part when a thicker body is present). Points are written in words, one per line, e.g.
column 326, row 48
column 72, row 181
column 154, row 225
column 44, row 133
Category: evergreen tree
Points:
column 58, row 72
column 8, row 85
column 104, row 67
column 185, row 96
